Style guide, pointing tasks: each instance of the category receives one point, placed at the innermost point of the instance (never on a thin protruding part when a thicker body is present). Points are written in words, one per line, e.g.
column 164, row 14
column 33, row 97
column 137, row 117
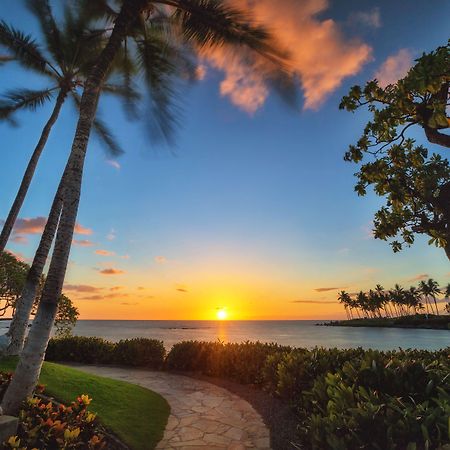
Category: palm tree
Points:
column 345, row 299
column 205, row 23
column 69, row 52
column 434, row 291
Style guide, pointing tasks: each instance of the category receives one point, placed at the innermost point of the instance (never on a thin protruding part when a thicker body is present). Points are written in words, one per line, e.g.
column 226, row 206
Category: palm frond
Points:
column 23, row 99
column 128, row 95
column 22, row 47
column 210, row 23
column 102, row 131
column 5, row 58
column 96, row 10
column 43, row 11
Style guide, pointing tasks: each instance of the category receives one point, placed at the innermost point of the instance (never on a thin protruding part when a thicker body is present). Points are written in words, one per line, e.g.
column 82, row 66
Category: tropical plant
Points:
column 13, row 274
column 68, row 53
column 205, row 23
column 416, row 185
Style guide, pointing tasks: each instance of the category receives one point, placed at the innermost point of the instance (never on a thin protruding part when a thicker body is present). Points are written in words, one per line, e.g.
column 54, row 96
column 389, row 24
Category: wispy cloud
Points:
column 83, row 242
column 116, row 288
column 81, row 288
column 114, row 163
column 419, row 277
column 104, row 252
column 394, row 67
column 160, row 259
column 371, row 18
column 111, row 271
column 315, row 302
column 111, row 235
column 181, row 288
column 20, row 239
column 326, row 289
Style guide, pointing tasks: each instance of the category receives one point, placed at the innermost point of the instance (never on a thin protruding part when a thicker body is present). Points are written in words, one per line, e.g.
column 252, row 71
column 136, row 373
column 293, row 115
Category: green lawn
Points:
column 136, row 415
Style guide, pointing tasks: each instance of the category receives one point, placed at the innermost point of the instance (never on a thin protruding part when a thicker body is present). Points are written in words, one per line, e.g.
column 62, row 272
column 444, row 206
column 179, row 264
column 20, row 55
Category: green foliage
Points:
column 92, row 350
column 44, row 424
column 416, row 185
column 122, row 407
column 239, row 362
column 343, row 399
column 397, row 400
column 13, row 274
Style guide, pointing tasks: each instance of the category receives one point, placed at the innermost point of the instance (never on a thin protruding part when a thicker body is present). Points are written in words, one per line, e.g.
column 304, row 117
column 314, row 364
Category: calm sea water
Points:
column 298, row 333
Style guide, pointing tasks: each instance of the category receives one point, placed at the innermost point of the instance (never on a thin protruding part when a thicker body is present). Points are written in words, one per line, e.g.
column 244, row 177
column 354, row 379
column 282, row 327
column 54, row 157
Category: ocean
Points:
column 298, row 333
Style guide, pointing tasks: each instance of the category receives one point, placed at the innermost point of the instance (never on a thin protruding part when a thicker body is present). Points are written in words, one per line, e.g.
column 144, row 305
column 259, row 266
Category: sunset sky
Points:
column 253, row 209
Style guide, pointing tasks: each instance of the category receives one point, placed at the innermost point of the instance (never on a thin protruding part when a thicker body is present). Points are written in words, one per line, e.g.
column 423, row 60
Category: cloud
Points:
column 200, row 72
column 315, row 302
column 111, row 235
column 181, row 288
column 160, row 259
column 130, row 303
column 420, row 276
column 116, row 288
column 93, row 297
column 83, row 242
column 394, row 67
column 140, row 288
column 321, row 56
column 112, row 271
column 125, row 256
column 104, row 252
column 81, row 288
column 326, row 289
column 35, row 225
column 370, row 18
column 20, row 239
column 113, row 163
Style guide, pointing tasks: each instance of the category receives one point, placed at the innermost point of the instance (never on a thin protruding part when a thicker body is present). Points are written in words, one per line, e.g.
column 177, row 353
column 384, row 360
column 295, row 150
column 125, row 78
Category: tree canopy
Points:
column 414, row 181
column 13, row 273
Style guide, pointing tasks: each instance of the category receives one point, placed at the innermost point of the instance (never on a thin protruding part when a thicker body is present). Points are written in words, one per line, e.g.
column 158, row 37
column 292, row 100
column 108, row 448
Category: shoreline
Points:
column 418, row 321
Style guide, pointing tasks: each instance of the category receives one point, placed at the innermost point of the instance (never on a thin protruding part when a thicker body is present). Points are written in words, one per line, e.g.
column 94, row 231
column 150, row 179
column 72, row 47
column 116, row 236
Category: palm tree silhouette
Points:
column 203, row 23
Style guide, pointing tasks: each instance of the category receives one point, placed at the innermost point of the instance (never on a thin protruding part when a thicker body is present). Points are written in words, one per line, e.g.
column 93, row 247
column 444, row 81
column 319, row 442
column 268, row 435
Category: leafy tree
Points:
column 13, row 274
column 415, row 183
column 200, row 23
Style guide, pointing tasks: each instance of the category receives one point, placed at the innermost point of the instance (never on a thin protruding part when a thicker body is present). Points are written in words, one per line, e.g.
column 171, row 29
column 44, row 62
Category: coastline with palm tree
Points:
column 413, row 307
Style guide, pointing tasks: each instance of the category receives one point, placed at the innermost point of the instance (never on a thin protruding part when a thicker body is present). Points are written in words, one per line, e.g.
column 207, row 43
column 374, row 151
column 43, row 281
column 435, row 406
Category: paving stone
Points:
column 202, row 417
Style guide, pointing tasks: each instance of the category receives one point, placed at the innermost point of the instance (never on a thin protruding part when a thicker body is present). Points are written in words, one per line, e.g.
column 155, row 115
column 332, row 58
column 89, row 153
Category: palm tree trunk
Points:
column 29, row 172
column 29, row 367
column 24, row 304
column 435, row 304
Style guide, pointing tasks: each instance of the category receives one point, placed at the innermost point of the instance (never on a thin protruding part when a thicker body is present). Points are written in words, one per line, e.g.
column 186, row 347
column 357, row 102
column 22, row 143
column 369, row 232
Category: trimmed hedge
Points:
column 137, row 352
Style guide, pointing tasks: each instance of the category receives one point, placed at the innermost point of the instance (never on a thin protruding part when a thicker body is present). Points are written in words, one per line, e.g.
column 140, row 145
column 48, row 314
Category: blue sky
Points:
column 256, row 206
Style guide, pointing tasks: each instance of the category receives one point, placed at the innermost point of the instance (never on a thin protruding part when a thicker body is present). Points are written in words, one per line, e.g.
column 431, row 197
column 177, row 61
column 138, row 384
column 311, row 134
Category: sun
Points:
column 221, row 314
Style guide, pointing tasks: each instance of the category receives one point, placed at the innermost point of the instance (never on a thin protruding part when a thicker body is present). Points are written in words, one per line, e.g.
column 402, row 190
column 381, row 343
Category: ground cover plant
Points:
column 121, row 407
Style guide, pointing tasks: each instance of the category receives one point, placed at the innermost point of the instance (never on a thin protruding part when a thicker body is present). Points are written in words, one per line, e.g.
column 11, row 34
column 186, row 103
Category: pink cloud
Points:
column 83, row 242
column 20, row 239
column 419, row 277
column 35, row 225
column 112, row 271
column 394, row 67
column 104, row 252
column 321, row 56
column 115, row 288
column 113, row 163
column 160, row 259
column 81, row 288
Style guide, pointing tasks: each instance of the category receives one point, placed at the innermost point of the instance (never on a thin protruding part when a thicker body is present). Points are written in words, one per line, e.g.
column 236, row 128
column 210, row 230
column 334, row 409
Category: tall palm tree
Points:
column 434, row 291
column 68, row 53
column 200, row 22
column 345, row 299
column 429, row 288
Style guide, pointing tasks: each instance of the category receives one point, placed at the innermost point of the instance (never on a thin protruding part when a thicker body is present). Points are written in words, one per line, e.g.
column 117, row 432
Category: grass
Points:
column 136, row 415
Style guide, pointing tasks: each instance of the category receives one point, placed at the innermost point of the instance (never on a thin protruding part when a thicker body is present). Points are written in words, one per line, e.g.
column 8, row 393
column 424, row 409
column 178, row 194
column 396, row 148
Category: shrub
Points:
column 139, row 352
column 88, row 350
column 47, row 425
column 238, row 362
column 92, row 350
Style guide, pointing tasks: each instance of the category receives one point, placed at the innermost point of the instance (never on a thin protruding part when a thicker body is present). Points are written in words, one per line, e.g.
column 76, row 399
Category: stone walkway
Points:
column 202, row 417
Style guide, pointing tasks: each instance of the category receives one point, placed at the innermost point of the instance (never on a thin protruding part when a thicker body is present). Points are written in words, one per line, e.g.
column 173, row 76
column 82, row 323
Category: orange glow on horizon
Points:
column 221, row 314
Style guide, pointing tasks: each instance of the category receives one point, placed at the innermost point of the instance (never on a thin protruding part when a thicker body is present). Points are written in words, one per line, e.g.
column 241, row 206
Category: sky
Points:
column 253, row 209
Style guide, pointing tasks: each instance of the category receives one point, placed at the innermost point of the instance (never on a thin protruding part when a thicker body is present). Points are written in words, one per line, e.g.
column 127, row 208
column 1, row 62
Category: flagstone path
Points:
column 202, row 417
